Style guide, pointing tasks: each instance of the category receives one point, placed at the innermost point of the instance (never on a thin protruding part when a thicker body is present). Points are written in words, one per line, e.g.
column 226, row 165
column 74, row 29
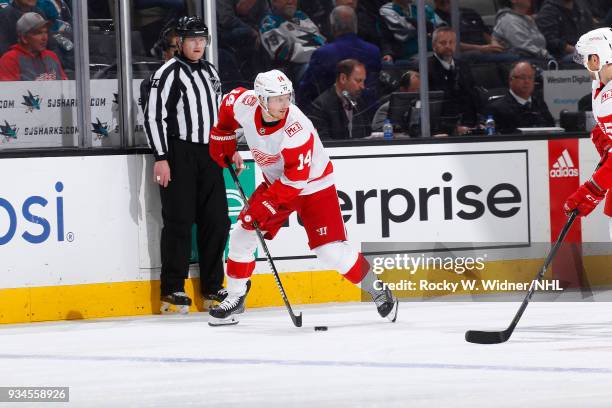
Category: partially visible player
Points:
column 298, row 177
column 594, row 51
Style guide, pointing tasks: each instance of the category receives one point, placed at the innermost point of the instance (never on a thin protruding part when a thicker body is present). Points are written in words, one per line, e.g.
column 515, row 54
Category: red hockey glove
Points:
column 601, row 140
column 259, row 211
column 221, row 144
column 585, row 199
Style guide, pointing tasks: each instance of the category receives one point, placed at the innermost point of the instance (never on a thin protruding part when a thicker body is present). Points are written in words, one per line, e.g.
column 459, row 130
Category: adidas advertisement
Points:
column 564, row 166
column 564, row 170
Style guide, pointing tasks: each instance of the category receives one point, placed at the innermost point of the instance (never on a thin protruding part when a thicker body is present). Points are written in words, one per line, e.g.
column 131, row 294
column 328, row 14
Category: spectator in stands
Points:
column 339, row 112
column 321, row 71
column 517, row 31
column 290, row 37
column 453, row 77
column 399, row 29
column 29, row 60
column 58, row 13
column 318, row 11
column 562, row 22
column 520, row 107
column 600, row 9
column 238, row 29
column 60, row 31
column 8, row 20
column 476, row 44
column 238, row 22
column 367, row 22
column 409, row 82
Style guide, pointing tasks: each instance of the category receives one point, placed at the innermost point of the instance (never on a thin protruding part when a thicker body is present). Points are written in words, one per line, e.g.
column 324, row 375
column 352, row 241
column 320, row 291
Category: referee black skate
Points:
column 182, row 106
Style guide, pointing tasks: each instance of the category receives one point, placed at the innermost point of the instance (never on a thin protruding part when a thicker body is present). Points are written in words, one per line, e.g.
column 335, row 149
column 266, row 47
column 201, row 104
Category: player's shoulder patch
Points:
column 233, row 96
column 293, row 129
column 606, row 96
column 249, row 99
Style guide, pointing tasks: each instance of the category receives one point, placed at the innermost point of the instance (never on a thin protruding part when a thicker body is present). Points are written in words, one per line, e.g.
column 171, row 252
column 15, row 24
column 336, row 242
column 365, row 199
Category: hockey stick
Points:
column 296, row 319
column 496, row 337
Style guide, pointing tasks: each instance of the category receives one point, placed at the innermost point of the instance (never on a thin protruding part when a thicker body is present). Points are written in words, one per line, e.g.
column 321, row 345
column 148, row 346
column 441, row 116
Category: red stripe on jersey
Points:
column 598, row 90
column 329, row 169
column 605, row 124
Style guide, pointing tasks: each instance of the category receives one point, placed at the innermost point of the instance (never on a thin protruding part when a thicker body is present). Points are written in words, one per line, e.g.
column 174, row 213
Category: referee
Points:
column 182, row 107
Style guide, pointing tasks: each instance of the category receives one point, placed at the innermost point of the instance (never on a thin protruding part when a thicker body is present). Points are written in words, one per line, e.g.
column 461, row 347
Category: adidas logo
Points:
column 564, row 166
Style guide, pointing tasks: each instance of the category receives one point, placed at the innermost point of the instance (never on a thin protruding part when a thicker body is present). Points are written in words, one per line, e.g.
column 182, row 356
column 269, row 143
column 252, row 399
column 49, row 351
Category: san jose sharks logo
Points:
column 31, row 102
column 8, row 131
column 100, row 129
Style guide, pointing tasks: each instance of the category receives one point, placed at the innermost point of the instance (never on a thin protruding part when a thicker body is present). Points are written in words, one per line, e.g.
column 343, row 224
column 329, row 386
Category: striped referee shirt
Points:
column 183, row 103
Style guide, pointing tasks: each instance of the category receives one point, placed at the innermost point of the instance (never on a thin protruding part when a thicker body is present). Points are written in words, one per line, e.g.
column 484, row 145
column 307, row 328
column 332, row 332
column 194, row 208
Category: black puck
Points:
column 320, row 328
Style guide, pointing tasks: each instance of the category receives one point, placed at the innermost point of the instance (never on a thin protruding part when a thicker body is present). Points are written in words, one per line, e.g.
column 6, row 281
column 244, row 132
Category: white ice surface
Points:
column 559, row 356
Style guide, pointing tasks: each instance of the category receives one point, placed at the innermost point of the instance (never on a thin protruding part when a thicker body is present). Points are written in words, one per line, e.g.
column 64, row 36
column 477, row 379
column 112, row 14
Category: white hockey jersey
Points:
column 290, row 40
column 602, row 105
column 602, row 111
column 290, row 154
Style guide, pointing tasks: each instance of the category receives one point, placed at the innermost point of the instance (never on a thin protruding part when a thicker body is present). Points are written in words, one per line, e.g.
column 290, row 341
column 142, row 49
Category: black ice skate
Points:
column 177, row 302
column 218, row 296
column 225, row 312
column 386, row 304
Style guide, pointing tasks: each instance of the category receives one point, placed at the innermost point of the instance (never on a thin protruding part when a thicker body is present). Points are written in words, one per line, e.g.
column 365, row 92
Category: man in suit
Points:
column 520, row 107
column 452, row 77
column 321, row 71
column 339, row 112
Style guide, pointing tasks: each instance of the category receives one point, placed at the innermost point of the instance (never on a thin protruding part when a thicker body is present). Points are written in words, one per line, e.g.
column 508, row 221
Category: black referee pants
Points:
column 195, row 194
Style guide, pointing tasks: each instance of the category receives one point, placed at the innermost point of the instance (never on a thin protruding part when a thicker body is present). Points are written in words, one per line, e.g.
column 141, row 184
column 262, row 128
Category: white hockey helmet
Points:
column 595, row 42
column 272, row 83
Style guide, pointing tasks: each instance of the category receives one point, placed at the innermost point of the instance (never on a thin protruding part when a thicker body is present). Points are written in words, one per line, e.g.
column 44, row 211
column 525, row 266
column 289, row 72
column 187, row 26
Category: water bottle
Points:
column 63, row 42
column 490, row 125
column 387, row 129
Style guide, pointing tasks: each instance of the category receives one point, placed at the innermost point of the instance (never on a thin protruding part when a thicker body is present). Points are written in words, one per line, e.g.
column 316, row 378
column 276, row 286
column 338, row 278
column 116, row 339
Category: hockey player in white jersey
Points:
column 594, row 51
column 298, row 177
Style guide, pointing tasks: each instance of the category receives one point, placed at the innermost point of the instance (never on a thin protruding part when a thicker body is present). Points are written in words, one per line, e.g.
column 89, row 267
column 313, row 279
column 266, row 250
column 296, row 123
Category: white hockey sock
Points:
column 367, row 283
column 236, row 287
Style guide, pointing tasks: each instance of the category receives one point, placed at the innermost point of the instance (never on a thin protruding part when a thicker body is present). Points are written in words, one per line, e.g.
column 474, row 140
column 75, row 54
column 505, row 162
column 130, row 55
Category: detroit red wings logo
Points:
column 264, row 159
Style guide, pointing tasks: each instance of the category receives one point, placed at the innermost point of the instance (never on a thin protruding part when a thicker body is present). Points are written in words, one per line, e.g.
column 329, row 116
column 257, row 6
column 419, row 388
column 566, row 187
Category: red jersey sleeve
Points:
column 227, row 124
column 603, row 176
